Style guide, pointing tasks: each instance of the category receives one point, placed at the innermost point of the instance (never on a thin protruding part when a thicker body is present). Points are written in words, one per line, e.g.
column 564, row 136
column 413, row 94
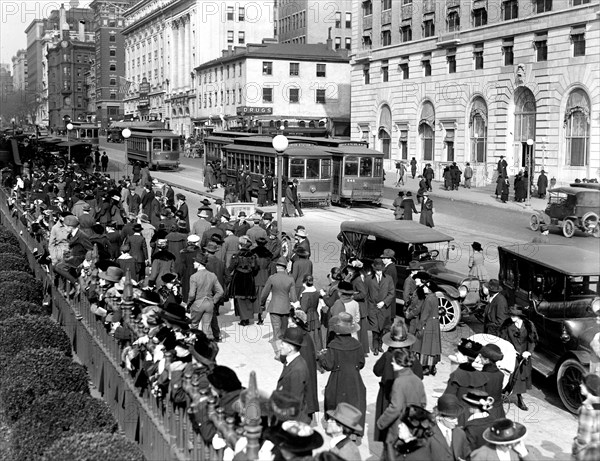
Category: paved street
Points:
column 466, row 222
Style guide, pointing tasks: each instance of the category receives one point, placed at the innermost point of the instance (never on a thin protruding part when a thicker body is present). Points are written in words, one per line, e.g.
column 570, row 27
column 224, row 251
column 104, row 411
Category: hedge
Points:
column 18, row 291
column 56, row 415
column 17, row 276
column 22, row 308
column 94, row 447
column 10, row 248
column 30, row 332
column 7, row 236
column 11, row 262
column 34, row 373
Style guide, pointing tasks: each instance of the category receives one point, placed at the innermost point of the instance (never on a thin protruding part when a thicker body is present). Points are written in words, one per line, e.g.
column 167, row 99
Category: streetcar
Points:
column 154, row 147
column 214, row 142
column 114, row 133
column 86, row 132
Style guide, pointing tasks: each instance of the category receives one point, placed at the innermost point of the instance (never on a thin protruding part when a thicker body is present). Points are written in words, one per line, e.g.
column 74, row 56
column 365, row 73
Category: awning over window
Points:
column 576, row 30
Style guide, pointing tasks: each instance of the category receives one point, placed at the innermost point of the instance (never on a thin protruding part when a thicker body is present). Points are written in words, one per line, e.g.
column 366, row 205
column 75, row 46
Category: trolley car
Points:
column 86, row 132
column 154, row 147
column 214, row 142
column 328, row 170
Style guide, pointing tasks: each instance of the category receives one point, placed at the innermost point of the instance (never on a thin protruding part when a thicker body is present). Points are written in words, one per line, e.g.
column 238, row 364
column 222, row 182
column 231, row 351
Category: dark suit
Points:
column 215, row 265
column 440, row 450
column 496, row 312
column 294, row 379
column 391, row 271
column 86, row 221
column 380, row 319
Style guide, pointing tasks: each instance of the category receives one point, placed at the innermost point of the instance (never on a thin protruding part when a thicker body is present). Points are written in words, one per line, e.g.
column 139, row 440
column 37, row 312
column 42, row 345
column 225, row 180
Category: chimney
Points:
column 329, row 41
column 62, row 19
column 82, row 31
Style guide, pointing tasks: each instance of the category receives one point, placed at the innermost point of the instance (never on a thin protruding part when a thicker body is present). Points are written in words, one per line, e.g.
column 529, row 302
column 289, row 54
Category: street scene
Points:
column 356, row 230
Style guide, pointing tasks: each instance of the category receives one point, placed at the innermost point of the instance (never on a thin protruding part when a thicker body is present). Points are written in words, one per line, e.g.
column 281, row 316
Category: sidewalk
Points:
column 484, row 196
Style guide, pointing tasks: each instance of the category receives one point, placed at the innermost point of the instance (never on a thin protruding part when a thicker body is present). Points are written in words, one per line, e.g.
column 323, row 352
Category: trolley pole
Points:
column 280, row 144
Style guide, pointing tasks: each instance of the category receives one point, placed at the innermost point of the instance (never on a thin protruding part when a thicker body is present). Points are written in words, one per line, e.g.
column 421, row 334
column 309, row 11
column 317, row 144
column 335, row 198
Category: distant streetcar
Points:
column 154, row 147
column 85, row 132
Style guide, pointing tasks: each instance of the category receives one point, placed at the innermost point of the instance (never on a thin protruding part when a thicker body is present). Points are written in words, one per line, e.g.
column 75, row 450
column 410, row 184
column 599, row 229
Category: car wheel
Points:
column 449, row 312
column 569, row 377
column 534, row 222
column 568, row 228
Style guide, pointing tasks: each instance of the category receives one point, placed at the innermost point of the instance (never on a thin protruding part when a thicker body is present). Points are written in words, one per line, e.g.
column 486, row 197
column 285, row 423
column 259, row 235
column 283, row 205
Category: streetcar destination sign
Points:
column 245, row 110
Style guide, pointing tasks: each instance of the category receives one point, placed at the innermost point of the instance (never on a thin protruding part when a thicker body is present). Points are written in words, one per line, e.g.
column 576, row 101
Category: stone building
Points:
column 19, row 71
column 470, row 81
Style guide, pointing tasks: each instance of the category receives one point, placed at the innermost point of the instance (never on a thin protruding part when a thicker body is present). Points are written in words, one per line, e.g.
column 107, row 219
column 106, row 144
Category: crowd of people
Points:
column 97, row 233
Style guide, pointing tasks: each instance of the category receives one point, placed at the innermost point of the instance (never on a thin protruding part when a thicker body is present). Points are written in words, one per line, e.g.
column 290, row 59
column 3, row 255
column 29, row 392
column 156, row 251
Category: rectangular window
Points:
column 230, row 13
column 294, row 95
column 239, row 95
column 543, row 6
column 320, row 97
column 384, row 71
column 403, row 144
column 229, row 36
column 267, row 68
column 241, row 14
column 321, row 70
column 241, row 37
column 450, row 147
column 112, row 67
column 113, row 96
column 451, row 63
column 338, row 20
column 367, row 7
column 367, row 74
column 312, row 168
column 386, row 37
column 112, row 38
column 114, row 53
column 406, row 34
column 297, row 168
column 113, row 82
column 294, row 69
column 348, row 44
column 351, row 166
column 541, row 47
column 428, row 28
column 509, row 57
column 267, row 94
column 325, row 168
column 338, row 43
column 578, row 39
column 404, row 70
column 386, row 5
column 478, row 56
column 479, row 17
column 580, row 2
column 510, row 10
column 453, row 21
column 426, row 66
column 348, row 20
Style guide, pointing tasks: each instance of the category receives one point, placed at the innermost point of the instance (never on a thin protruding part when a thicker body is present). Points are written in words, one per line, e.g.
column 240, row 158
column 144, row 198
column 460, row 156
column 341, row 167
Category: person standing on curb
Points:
column 468, row 174
column 413, row 167
column 426, row 211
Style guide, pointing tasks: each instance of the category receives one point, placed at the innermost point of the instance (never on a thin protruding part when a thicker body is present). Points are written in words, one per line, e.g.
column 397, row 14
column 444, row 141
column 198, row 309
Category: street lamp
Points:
column 12, row 120
column 280, row 144
column 69, row 128
column 126, row 133
column 529, row 169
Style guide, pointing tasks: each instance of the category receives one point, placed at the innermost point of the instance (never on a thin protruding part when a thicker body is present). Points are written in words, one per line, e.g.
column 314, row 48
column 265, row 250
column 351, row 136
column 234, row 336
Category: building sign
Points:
column 143, row 101
column 144, row 88
column 248, row 110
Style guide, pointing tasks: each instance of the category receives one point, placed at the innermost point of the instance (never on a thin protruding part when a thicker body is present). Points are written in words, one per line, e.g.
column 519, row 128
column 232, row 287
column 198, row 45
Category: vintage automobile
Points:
column 557, row 288
column 572, row 207
column 413, row 241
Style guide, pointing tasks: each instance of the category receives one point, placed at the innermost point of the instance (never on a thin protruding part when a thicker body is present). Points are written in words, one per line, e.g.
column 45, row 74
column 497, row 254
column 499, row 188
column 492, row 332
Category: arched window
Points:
column 525, row 110
column 577, row 128
column 426, row 130
column 386, row 142
column 385, row 130
column 453, row 21
column 478, row 121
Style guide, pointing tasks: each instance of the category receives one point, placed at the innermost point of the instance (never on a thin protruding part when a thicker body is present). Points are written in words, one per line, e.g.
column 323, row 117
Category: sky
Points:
column 16, row 15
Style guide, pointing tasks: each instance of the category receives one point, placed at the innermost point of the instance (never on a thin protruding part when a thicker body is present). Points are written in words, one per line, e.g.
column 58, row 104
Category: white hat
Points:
column 193, row 238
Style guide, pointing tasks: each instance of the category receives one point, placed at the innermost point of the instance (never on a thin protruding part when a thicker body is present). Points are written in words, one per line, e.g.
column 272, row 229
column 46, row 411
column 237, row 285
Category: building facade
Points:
column 264, row 86
column 470, row 81
column 165, row 40
column 109, row 62
column 313, row 21
column 6, row 79
column 19, row 70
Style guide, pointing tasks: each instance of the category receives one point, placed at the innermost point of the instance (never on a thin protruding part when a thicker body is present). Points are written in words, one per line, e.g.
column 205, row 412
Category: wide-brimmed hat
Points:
column 516, row 310
column 299, row 317
column 345, row 288
column 343, row 324
column 242, row 214
column 211, row 247
column 169, row 277
column 378, row 264
column 149, row 297
column 137, row 227
column 180, row 196
column 282, row 262
column 301, row 233
column 193, row 238
column 449, row 406
column 201, row 258
column 469, row 348
column 491, row 352
column 479, row 398
column 388, row 253
column 181, row 224
column 204, row 350
column 493, row 286
column 347, row 415
column 116, row 197
column 295, row 437
column 476, row 246
column 174, row 313
column 112, row 274
column 224, row 379
column 415, row 266
column 398, row 336
column 144, row 218
column 284, row 405
column 202, row 213
column 504, row 431
column 294, row 336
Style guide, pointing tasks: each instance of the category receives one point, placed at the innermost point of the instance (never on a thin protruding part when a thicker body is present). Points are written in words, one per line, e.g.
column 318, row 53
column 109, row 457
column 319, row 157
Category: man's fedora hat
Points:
column 398, row 336
column 347, row 415
column 504, row 431
column 112, row 274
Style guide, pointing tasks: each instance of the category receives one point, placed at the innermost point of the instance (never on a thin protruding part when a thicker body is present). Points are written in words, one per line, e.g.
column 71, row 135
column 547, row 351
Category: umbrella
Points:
column 507, row 364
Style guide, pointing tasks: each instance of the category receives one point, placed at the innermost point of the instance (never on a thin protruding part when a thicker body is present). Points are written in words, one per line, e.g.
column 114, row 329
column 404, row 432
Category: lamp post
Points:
column 280, row 144
column 126, row 133
column 529, row 169
column 13, row 121
column 69, row 128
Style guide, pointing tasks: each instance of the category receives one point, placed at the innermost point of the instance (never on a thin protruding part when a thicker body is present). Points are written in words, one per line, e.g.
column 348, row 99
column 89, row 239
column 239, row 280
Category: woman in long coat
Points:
column 409, row 207
column 344, row 357
column 288, row 205
column 309, row 303
column 265, row 267
column 398, row 210
column 242, row 270
column 301, row 267
column 428, row 346
column 426, row 211
column 476, row 261
column 522, row 334
column 504, row 188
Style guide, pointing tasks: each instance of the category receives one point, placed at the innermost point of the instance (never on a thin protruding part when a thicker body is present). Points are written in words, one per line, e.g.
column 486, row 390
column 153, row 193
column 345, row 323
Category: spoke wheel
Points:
column 449, row 312
column 534, row 222
column 568, row 228
column 569, row 377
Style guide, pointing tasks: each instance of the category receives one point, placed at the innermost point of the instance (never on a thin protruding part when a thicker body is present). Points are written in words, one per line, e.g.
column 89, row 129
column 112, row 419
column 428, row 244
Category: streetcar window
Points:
column 175, row 144
column 312, row 168
column 325, row 169
column 156, row 144
column 366, row 167
column 297, row 168
column 378, row 170
column 351, row 166
column 166, row 144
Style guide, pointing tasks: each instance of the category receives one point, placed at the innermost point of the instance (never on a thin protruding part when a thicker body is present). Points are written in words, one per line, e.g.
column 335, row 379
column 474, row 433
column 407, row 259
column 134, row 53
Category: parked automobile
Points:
column 413, row 241
column 557, row 288
column 572, row 207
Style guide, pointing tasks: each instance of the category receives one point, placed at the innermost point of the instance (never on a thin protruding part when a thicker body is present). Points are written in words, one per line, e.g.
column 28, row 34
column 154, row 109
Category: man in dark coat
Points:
column 185, row 268
column 240, row 227
column 216, row 266
column 389, row 260
column 426, row 211
column 422, row 188
column 294, row 377
column 213, row 230
column 86, row 220
column 104, row 162
column 248, row 186
column 455, row 175
column 381, row 296
column 428, row 174
column 183, row 208
column 138, row 250
column 448, row 441
column 496, row 312
column 177, row 240
column 542, row 184
column 134, row 201
column 114, row 238
column 269, row 182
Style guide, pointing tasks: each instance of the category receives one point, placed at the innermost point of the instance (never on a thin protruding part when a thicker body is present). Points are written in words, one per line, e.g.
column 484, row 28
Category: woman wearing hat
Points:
column 341, row 424
column 479, row 419
column 301, row 267
column 345, row 303
column 242, row 287
column 486, row 363
column 265, row 267
column 344, row 357
column 414, row 432
column 428, row 346
column 588, row 431
column 504, row 441
column 163, row 262
column 291, row 440
column 356, row 276
column 309, row 303
column 426, row 211
column 522, row 334
column 397, row 338
column 476, row 261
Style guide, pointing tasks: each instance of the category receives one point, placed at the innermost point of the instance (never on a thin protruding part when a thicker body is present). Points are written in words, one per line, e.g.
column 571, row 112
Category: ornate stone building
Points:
column 470, row 81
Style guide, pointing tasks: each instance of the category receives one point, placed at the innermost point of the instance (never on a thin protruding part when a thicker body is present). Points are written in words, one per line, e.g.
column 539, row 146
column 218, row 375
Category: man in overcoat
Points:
column 294, row 376
column 448, row 442
column 216, row 266
column 496, row 312
column 381, row 296
column 389, row 260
